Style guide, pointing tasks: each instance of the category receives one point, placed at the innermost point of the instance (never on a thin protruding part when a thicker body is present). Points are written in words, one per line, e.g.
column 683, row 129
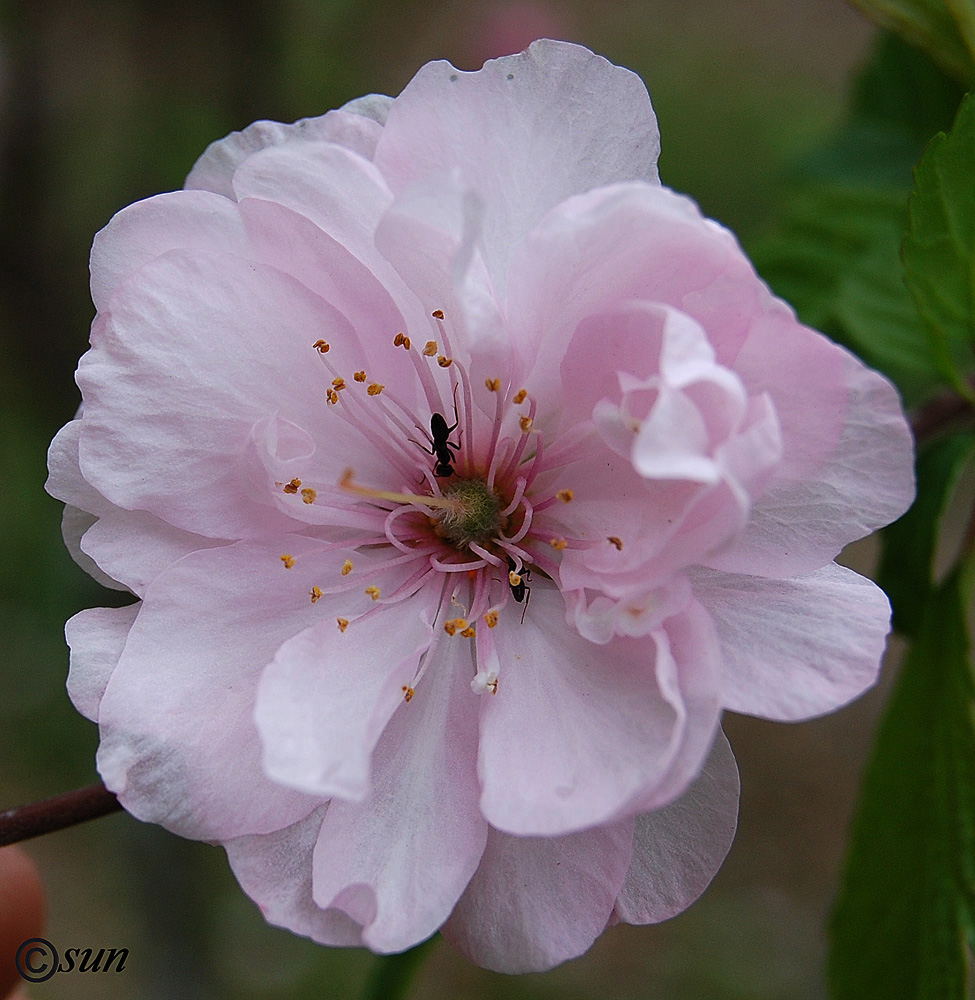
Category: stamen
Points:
column 516, row 498
column 565, row 496
column 322, row 347
column 375, row 389
column 558, row 543
column 491, row 618
column 293, row 486
column 408, row 693
column 493, row 384
column 456, row 567
column 484, row 554
column 316, row 594
column 525, row 524
column 395, row 513
column 454, row 625
column 343, row 623
column 441, row 502
column 519, row 397
column 338, row 383
column 308, row 495
column 373, row 591
column 444, row 362
column 347, row 567
column 359, row 376
column 288, row 560
column 615, row 542
column 431, row 349
column 437, row 314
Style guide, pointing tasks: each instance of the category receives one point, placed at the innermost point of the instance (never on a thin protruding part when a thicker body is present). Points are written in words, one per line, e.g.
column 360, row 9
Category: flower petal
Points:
column 96, row 638
column 538, row 901
column 179, row 744
column 325, row 699
column 847, row 466
column 274, row 869
column 794, row 649
column 619, row 243
column 356, row 126
column 168, row 412
column 177, row 220
column 678, row 849
column 526, row 132
column 397, row 862
column 617, row 728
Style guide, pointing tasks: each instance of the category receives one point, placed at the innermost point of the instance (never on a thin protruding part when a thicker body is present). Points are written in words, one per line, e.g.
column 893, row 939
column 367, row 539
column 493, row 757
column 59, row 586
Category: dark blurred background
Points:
column 107, row 101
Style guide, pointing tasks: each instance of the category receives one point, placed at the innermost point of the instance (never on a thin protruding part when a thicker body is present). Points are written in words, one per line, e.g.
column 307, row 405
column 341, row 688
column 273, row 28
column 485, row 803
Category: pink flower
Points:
column 465, row 474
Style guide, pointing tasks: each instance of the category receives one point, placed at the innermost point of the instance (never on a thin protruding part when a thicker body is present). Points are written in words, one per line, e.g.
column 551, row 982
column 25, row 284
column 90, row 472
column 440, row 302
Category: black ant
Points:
column 442, row 444
column 520, row 591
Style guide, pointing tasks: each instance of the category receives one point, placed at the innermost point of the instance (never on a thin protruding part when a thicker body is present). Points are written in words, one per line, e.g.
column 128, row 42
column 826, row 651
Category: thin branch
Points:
column 56, row 813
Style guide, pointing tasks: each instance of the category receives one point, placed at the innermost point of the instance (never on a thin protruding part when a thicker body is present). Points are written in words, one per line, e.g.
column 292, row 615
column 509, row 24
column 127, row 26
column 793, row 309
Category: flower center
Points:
column 474, row 515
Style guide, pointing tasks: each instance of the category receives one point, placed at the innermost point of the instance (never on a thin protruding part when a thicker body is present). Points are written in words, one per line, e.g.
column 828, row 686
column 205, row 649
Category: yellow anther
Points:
column 288, row 560
column 315, row 594
column 308, row 495
column 454, row 625
column 444, row 362
column 347, row 567
column 469, row 632
column 373, row 592
column 431, row 348
column 514, row 578
column 338, row 383
column 375, row 389
column 406, row 343
column 408, row 693
column 491, row 618
column 437, row 314
column 493, row 384
column 322, row 347
column 617, row 543
column 332, row 396
column 343, row 623
column 565, row 495
column 558, row 543
column 293, row 486
column 359, row 376
column 519, row 397
column 398, row 339
column 526, row 424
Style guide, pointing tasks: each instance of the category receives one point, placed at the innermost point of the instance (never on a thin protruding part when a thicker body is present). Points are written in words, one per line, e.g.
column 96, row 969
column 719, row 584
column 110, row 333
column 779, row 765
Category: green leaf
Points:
column 899, row 926
column 835, row 251
column 939, row 248
column 906, row 570
column 945, row 29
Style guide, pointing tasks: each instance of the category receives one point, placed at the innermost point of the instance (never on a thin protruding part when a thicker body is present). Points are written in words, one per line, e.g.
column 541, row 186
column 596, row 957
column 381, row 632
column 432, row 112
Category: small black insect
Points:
column 520, row 591
column 442, row 445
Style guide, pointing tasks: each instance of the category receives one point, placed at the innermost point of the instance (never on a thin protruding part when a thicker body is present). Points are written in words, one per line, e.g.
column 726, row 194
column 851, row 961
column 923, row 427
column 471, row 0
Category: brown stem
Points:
column 56, row 813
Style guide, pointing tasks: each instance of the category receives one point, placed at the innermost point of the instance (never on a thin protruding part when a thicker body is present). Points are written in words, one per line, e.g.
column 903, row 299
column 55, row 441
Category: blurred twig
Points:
column 56, row 813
